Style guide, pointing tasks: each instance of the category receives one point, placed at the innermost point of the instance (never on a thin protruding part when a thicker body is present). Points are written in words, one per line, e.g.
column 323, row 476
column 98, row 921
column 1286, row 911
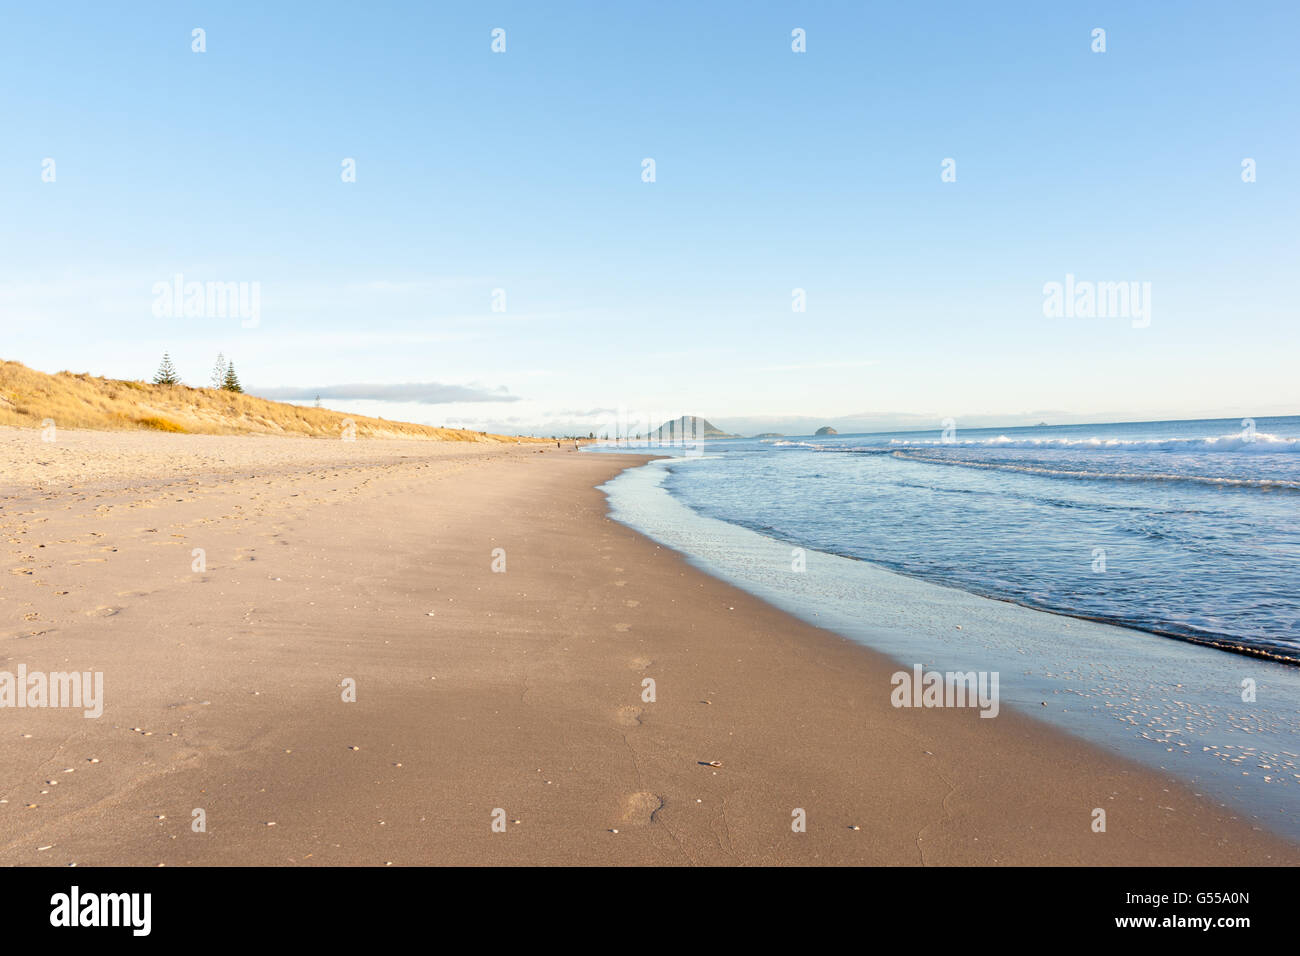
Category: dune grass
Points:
column 29, row 397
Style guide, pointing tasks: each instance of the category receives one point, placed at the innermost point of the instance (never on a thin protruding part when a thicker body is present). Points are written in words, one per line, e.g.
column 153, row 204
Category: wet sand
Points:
column 477, row 690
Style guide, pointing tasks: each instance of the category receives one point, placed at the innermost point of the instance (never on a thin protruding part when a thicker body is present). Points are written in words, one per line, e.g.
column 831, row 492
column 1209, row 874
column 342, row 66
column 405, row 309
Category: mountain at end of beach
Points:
column 687, row 428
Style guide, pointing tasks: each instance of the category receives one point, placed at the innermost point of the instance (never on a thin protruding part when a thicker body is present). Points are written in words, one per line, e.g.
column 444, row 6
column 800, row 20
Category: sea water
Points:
column 1134, row 583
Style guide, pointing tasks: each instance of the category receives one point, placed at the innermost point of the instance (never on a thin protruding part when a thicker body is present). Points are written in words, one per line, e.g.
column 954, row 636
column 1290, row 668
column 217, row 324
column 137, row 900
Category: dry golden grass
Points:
column 28, row 397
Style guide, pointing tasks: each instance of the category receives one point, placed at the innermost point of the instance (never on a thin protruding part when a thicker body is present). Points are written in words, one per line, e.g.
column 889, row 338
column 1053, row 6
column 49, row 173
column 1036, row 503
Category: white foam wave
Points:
column 1225, row 481
column 1260, row 442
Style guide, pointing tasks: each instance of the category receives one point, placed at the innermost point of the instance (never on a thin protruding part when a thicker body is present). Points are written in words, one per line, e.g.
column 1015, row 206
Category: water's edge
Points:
column 1178, row 707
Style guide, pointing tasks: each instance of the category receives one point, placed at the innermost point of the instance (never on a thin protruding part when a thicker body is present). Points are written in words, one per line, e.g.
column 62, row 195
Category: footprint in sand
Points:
column 639, row 808
column 187, row 705
column 628, row 716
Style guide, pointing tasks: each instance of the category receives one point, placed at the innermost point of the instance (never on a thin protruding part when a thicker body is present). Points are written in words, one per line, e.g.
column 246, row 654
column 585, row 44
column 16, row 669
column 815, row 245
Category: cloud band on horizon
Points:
column 426, row 393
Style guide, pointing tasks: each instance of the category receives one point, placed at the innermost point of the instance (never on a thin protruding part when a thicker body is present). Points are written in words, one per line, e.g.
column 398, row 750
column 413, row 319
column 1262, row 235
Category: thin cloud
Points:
column 815, row 365
column 426, row 393
column 581, row 413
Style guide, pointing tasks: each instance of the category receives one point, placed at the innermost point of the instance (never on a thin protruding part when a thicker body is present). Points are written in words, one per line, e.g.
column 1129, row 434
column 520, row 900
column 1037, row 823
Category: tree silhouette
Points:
column 166, row 372
column 231, row 382
column 219, row 372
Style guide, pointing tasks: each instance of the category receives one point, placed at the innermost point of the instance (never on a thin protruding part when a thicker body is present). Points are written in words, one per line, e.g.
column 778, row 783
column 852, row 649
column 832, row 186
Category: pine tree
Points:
column 219, row 372
column 231, row 382
column 166, row 372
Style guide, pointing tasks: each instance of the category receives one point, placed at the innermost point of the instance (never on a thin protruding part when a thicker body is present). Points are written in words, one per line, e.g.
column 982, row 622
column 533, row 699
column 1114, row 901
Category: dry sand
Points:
column 478, row 690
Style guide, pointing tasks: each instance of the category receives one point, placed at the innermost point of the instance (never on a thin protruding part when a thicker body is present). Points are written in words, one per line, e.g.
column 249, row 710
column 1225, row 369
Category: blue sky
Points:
column 521, row 171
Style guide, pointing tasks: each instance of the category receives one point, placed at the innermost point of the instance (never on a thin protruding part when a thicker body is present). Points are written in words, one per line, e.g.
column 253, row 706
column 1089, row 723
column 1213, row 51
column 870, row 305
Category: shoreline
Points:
column 1219, row 642
column 1177, row 708
column 477, row 690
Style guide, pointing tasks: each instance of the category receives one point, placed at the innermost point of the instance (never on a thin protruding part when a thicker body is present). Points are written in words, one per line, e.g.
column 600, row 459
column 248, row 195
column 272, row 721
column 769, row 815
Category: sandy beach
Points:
column 497, row 628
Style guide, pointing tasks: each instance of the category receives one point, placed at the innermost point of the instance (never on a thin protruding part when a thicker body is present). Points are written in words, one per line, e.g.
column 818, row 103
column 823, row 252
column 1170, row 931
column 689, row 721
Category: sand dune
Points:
column 32, row 398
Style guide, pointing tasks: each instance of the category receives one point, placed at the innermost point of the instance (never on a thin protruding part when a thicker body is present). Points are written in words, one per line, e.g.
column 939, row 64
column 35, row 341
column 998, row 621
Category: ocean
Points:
column 1186, row 529
column 1133, row 583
